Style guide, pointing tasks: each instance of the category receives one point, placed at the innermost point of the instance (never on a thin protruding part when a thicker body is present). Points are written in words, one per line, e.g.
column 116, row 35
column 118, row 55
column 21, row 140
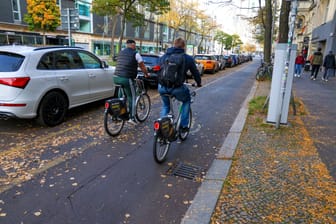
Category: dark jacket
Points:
column 189, row 63
column 329, row 61
column 127, row 66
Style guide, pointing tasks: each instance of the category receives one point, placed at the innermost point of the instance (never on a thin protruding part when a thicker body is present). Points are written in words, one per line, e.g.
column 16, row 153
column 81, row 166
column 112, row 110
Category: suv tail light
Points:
column 156, row 68
column 20, row 82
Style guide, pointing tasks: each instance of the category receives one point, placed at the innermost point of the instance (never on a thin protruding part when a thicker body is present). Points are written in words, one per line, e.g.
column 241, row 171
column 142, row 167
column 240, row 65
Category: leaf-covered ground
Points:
column 277, row 175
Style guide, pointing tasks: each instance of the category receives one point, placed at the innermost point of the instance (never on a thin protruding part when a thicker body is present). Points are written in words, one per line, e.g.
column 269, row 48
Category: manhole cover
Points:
column 188, row 171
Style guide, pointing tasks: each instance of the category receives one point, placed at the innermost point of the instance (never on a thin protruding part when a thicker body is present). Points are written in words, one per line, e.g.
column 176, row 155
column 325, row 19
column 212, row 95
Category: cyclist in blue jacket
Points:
column 181, row 93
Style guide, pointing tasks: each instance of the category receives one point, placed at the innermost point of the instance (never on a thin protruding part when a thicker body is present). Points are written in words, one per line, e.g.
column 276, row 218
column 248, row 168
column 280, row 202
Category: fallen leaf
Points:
column 167, row 196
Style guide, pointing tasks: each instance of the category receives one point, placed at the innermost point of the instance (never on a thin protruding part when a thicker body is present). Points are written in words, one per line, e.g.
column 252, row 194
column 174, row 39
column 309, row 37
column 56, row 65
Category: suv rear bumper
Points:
column 6, row 115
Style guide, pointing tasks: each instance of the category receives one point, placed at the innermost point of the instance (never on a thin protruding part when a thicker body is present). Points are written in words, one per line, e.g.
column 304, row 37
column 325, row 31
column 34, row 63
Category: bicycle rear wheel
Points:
column 142, row 107
column 183, row 135
column 112, row 124
column 160, row 148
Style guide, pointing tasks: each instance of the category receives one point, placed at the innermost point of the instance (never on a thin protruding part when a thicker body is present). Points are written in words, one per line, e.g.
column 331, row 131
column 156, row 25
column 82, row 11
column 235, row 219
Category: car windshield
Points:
column 150, row 60
column 10, row 62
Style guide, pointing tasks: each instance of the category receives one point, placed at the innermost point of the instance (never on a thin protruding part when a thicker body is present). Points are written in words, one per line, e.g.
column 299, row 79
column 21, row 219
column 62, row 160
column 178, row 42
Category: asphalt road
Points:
column 75, row 173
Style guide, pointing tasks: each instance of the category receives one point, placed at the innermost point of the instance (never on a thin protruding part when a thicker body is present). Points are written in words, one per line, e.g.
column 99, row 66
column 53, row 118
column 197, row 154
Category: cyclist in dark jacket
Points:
column 329, row 66
column 126, row 71
column 182, row 92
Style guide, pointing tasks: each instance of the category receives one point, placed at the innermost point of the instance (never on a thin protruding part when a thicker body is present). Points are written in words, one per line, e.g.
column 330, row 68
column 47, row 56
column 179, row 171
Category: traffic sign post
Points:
column 70, row 21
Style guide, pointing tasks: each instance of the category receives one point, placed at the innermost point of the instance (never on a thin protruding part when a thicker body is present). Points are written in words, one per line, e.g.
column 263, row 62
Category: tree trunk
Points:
column 113, row 21
column 268, row 32
column 283, row 23
column 123, row 19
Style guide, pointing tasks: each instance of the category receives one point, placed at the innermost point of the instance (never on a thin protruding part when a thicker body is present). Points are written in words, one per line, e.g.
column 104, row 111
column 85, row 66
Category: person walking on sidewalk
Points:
column 299, row 61
column 329, row 66
column 126, row 71
column 316, row 61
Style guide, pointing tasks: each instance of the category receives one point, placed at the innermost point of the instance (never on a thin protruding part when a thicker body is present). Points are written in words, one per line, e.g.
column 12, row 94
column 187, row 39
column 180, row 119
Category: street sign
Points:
column 72, row 16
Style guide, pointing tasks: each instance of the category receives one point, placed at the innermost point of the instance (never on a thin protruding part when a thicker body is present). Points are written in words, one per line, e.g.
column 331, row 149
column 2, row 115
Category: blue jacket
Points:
column 189, row 62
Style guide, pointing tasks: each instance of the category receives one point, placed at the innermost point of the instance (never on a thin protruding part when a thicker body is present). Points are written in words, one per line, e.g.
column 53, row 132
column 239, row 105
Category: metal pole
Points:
column 292, row 15
column 69, row 30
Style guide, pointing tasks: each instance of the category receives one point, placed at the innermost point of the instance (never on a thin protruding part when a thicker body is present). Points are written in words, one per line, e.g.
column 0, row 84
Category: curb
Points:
column 208, row 193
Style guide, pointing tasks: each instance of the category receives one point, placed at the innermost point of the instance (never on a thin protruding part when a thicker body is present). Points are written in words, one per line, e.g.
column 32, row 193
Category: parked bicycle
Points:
column 116, row 109
column 264, row 72
column 166, row 129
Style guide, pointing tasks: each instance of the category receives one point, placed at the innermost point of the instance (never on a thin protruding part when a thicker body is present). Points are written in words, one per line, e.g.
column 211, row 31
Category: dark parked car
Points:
column 152, row 63
column 229, row 61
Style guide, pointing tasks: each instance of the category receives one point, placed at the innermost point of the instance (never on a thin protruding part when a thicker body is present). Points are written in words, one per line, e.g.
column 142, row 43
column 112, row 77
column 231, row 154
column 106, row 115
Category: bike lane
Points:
column 117, row 180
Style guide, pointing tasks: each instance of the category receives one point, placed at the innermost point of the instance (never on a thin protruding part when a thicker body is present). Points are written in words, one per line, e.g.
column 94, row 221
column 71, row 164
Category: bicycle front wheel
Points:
column 142, row 107
column 160, row 148
column 183, row 135
column 112, row 124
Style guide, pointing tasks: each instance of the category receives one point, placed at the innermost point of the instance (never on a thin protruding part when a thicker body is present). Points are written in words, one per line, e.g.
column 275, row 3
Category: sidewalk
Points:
column 284, row 175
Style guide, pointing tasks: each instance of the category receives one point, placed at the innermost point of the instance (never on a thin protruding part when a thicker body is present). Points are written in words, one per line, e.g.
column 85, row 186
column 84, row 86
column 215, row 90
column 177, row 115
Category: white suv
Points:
column 44, row 82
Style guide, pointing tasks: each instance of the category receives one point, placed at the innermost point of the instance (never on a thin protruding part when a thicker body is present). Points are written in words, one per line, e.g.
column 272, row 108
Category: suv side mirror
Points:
column 105, row 65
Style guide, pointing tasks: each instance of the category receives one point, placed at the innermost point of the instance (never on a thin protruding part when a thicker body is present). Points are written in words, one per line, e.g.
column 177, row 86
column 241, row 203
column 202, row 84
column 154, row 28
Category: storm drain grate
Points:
column 188, row 171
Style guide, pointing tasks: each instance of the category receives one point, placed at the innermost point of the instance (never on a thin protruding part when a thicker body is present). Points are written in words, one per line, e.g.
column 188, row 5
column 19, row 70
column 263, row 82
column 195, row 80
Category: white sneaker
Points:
column 322, row 78
column 132, row 122
column 326, row 80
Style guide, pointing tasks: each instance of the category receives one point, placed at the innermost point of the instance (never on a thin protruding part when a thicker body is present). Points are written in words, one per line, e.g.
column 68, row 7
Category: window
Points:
column 46, row 62
column 10, row 62
column 16, row 10
column 147, row 33
column 89, row 61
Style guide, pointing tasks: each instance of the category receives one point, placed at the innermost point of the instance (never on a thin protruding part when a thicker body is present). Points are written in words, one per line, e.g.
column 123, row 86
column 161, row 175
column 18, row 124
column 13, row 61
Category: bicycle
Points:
column 167, row 129
column 116, row 109
column 264, row 71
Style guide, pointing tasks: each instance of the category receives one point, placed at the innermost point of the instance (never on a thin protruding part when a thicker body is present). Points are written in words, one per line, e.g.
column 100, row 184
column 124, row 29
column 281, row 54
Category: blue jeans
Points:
column 181, row 94
column 298, row 68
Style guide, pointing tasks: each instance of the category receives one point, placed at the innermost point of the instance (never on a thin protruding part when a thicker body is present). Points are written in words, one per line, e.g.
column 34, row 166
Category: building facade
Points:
column 90, row 31
column 316, row 26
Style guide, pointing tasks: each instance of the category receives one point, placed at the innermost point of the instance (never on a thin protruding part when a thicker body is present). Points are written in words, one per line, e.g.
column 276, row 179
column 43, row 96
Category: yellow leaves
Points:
column 43, row 15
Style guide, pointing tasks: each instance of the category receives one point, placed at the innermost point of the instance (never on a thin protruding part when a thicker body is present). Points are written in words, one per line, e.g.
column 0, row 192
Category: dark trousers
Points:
column 315, row 70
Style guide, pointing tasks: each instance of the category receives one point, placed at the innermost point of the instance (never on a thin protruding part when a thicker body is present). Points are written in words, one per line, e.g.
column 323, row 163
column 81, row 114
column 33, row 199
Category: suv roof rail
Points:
column 55, row 47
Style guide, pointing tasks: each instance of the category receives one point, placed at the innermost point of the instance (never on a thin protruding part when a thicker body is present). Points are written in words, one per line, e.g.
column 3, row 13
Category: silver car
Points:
column 44, row 82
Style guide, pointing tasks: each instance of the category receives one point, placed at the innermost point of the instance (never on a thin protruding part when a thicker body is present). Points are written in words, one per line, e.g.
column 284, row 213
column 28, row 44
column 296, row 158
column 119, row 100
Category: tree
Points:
column 43, row 15
column 127, row 11
column 268, row 31
column 283, row 23
column 236, row 41
column 224, row 39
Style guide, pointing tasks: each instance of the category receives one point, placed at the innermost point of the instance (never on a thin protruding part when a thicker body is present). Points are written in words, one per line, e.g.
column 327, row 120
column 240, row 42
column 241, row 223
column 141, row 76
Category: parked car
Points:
column 200, row 69
column 209, row 62
column 221, row 60
column 44, row 82
column 229, row 61
column 152, row 63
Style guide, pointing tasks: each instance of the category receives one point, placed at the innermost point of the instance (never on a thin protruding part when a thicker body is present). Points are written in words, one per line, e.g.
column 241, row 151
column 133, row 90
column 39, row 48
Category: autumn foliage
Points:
column 42, row 15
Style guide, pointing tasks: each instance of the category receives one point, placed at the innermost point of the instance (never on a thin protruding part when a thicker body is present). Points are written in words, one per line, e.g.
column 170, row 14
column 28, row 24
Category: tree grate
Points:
column 188, row 171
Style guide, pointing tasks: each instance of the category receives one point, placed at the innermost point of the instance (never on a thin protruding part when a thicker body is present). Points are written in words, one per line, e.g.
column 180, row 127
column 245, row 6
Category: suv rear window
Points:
column 150, row 60
column 10, row 62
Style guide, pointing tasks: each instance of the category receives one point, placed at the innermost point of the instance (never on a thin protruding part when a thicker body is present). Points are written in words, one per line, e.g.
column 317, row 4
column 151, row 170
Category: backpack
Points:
column 172, row 71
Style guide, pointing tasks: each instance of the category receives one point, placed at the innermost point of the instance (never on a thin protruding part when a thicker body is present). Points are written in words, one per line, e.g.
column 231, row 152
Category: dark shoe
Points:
column 184, row 129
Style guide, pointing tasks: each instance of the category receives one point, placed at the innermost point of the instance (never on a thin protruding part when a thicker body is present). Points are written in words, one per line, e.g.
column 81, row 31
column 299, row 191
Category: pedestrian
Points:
column 174, row 66
column 329, row 66
column 126, row 71
column 299, row 61
column 316, row 62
